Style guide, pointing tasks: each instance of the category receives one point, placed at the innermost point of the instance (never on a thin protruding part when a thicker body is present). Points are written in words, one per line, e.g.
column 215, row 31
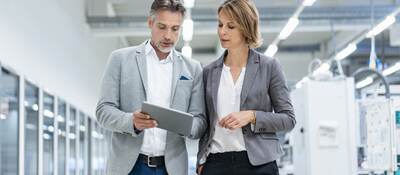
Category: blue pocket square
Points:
column 183, row 78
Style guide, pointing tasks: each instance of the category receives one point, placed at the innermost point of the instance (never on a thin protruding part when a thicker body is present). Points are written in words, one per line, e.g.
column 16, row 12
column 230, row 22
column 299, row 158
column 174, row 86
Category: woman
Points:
column 242, row 88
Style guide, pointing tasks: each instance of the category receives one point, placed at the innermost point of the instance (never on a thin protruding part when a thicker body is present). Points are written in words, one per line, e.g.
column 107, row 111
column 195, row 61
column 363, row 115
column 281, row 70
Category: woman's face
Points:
column 228, row 32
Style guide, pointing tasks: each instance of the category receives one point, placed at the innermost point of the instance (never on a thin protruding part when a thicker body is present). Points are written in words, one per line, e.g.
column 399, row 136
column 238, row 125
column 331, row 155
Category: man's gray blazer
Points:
column 122, row 92
column 264, row 90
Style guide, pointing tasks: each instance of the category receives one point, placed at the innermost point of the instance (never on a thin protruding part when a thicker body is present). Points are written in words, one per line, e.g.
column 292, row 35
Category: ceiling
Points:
column 343, row 19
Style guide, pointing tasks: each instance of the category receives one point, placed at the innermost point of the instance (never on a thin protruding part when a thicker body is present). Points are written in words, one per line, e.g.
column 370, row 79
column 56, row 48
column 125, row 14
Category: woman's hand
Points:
column 199, row 169
column 238, row 119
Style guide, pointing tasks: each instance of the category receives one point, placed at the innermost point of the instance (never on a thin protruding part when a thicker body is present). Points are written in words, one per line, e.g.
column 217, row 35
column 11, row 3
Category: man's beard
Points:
column 164, row 49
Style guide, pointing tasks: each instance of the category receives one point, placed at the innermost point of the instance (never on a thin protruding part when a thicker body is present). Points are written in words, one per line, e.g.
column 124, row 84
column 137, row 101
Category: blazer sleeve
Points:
column 108, row 111
column 197, row 105
column 283, row 117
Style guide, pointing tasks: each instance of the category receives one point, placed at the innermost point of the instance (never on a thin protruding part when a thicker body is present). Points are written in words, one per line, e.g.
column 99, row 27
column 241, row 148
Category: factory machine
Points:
column 337, row 134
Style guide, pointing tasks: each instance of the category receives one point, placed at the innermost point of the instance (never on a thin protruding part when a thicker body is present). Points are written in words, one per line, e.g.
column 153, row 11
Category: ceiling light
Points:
column 346, row 52
column 48, row 113
column 308, row 2
column 389, row 20
column 271, row 51
column 391, row 69
column 187, row 51
column 187, row 30
column 364, row 82
column 35, row 107
column 323, row 68
column 289, row 28
column 188, row 3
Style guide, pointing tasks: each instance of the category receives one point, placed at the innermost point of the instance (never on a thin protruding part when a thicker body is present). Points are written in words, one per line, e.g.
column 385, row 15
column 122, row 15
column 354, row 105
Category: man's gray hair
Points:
column 170, row 5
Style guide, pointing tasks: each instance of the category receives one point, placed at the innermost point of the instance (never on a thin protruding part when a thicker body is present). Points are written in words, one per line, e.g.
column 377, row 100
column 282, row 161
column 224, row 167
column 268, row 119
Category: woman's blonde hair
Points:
column 245, row 14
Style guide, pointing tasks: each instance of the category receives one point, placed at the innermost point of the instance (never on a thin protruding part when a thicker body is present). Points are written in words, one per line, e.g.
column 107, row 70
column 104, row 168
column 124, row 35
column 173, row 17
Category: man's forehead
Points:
column 168, row 23
column 168, row 18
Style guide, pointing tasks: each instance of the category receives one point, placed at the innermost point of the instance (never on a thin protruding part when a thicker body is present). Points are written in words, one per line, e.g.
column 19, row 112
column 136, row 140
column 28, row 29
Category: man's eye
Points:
column 175, row 29
column 161, row 27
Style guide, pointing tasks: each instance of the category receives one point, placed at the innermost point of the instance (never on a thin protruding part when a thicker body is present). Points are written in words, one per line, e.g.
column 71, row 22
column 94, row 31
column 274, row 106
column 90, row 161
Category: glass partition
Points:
column 62, row 145
column 48, row 134
column 31, row 128
column 82, row 143
column 9, row 117
column 72, row 141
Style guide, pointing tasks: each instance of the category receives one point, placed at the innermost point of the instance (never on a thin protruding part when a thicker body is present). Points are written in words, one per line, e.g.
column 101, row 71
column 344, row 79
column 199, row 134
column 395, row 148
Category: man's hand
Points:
column 237, row 119
column 143, row 121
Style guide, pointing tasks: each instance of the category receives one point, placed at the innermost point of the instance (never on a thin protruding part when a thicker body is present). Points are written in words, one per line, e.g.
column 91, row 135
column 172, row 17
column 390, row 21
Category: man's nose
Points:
column 168, row 35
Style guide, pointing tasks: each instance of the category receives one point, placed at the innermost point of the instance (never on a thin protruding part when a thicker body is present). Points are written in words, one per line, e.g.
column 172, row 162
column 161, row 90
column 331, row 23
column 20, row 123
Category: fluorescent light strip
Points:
column 323, row 68
column 187, row 51
column 308, row 3
column 367, row 81
column 187, row 31
column 389, row 20
column 346, row 52
column 300, row 83
column 364, row 82
column 111, row 10
column 289, row 28
column 271, row 51
column 188, row 3
column 391, row 69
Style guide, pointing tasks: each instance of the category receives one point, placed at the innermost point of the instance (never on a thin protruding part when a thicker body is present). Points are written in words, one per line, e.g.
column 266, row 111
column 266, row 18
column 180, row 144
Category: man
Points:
column 154, row 72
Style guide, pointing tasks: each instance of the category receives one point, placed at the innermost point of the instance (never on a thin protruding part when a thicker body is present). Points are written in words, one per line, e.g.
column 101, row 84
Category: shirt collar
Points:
column 149, row 50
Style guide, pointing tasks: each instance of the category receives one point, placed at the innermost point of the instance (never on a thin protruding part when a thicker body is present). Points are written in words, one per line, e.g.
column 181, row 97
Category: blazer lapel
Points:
column 251, row 72
column 176, row 72
column 215, row 80
column 142, row 65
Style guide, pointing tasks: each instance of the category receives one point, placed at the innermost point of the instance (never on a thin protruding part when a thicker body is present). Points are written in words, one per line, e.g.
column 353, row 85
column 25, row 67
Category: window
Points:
column 90, row 146
column 99, row 148
column 31, row 128
column 95, row 148
column 48, row 134
column 62, row 146
column 72, row 141
column 9, row 116
column 82, row 143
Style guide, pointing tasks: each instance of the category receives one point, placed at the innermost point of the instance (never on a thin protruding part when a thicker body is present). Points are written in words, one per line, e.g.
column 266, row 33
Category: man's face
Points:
column 165, row 29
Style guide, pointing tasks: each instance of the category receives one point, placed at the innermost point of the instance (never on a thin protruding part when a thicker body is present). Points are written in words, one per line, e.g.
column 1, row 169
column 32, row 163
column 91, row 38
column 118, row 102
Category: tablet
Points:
column 169, row 119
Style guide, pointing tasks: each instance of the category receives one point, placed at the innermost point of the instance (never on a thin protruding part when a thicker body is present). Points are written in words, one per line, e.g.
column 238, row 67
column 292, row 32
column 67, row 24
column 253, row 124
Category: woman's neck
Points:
column 237, row 57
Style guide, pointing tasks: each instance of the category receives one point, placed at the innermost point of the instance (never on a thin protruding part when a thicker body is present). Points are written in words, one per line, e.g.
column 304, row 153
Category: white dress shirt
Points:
column 228, row 101
column 159, row 82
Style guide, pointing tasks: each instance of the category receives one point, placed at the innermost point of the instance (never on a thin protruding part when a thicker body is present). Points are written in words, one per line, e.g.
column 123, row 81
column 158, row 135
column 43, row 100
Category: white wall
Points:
column 49, row 42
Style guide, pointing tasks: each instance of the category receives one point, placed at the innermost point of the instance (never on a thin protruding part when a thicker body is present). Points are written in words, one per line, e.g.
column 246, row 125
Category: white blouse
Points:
column 226, row 140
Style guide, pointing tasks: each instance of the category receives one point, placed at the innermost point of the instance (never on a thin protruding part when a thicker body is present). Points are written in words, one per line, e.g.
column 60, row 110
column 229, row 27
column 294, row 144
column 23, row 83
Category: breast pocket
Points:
column 182, row 94
column 269, row 136
column 185, row 83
